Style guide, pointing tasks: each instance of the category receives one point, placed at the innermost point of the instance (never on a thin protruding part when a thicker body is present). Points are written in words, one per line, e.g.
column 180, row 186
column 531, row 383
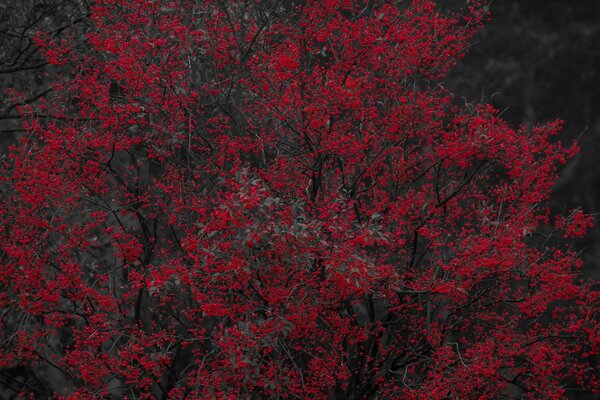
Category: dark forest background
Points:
column 537, row 60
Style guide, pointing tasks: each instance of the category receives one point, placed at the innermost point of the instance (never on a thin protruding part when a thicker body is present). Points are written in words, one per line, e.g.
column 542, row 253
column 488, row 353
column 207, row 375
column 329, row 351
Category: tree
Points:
column 22, row 67
column 279, row 199
column 548, row 70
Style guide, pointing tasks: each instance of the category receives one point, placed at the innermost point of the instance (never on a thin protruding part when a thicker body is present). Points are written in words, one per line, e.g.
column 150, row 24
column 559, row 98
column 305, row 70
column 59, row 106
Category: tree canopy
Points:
column 278, row 199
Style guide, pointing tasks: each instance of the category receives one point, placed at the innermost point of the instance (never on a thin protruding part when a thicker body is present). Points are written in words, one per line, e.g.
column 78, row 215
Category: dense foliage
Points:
column 277, row 199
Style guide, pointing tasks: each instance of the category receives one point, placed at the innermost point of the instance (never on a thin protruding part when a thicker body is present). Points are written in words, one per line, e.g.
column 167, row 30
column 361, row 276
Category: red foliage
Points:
column 273, row 199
